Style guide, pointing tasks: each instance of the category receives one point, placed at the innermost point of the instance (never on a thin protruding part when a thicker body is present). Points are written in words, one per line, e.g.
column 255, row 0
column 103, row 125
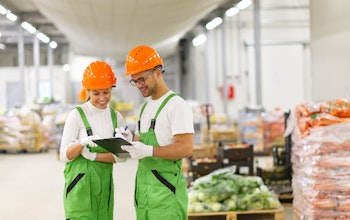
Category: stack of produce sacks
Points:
column 321, row 159
column 222, row 190
column 21, row 130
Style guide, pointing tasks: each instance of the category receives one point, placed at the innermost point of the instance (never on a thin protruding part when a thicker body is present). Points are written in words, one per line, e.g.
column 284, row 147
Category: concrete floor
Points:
column 31, row 187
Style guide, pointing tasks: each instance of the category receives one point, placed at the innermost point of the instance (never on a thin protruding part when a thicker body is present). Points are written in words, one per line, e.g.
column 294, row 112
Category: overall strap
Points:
column 164, row 103
column 114, row 120
column 86, row 123
column 139, row 121
column 153, row 121
column 143, row 108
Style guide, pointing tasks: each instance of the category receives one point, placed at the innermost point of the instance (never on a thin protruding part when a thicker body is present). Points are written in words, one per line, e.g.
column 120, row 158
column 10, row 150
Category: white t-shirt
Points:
column 175, row 118
column 100, row 122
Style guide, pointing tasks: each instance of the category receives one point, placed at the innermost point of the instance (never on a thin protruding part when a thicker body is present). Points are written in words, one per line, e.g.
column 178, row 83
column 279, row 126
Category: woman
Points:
column 89, row 189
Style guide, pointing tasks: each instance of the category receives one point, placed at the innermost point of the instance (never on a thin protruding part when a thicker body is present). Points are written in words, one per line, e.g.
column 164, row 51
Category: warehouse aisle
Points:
column 31, row 187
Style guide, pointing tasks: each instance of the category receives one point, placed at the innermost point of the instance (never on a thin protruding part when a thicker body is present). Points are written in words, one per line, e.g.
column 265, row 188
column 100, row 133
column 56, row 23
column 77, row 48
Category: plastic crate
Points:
column 198, row 167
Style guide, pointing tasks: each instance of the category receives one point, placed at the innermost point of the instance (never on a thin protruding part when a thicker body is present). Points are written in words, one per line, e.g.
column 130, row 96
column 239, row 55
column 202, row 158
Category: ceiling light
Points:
column 232, row 11
column 11, row 16
column 200, row 39
column 243, row 4
column 28, row 27
column 3, row 10
column 213, row 23
column 43, row 38
column 53, row 44
column 66, row 67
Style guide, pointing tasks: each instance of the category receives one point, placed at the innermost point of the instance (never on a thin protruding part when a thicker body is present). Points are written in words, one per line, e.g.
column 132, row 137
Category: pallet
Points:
column 275, row 214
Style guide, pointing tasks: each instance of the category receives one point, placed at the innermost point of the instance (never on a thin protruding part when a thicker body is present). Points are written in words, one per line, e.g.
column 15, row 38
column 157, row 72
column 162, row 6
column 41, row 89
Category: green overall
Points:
column 89, row 187
column 161, row 190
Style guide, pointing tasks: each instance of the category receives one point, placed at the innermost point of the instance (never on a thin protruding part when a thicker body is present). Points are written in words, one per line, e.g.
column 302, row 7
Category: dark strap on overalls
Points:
column 87, row 125
column 153, row 121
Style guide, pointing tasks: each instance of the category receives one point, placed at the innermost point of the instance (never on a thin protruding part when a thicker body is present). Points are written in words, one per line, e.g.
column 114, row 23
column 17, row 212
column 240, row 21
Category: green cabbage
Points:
column 223, row 190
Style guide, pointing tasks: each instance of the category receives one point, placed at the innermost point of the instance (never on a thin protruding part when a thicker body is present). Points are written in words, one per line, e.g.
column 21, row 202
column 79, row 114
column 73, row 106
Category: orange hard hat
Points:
column 98, row 75
column 82, row 95
column 141, row 58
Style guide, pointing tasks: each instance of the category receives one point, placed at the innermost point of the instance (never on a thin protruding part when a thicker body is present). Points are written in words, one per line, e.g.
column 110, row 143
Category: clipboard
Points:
column 113, row 145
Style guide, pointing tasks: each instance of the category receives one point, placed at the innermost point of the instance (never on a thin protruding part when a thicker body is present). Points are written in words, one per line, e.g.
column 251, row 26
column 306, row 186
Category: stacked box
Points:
column 21, row 131
column 9, row 133
column 209, row 146
column 241, row 155
column 273, row 129
column 229, row 135
column 204, row 150
column 32, row 138
column 252, row 130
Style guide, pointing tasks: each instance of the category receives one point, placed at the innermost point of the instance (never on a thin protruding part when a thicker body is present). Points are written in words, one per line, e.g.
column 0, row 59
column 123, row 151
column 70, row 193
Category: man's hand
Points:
column 122, row 133
column 89, row 141
column 138, row 150
column 88, row 155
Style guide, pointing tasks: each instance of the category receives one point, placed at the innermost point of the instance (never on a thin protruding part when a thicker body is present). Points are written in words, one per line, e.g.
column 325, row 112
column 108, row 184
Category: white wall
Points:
column 285, row 64
column 330, row 46
column 31, row 83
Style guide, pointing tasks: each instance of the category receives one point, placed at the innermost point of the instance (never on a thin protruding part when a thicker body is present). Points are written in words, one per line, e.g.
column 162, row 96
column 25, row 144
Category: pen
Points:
column 126, row 127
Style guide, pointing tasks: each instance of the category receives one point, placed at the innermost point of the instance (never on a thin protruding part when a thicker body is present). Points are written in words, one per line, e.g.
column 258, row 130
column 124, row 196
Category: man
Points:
column 163, row 136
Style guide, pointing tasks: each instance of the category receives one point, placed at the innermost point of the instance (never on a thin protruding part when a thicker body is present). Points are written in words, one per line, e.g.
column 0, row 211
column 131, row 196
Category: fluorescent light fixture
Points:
column 66, row 67
column 200, row 39
column 11, row 16
column 28, row 27
column 243, row 4
column 3, row 10
column 213, row 23
column 232, row 11
column 43, row 38
column 53, row 44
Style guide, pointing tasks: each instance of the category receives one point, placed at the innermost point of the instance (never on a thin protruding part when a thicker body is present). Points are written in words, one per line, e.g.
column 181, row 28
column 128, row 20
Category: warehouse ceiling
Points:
column 110, row 28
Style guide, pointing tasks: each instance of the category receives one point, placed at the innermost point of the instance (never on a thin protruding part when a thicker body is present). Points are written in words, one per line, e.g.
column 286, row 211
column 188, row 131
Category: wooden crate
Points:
column 273, row 214
column 222, row 135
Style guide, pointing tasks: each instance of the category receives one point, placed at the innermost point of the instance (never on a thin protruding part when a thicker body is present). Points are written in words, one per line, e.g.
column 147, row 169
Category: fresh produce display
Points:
column 222, row 190
column 205, row 160
column 320, row 158
column 313, row 115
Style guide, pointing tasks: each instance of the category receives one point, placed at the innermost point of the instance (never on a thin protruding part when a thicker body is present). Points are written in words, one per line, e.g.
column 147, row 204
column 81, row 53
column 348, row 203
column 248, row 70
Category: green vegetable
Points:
column 223, row 190
column 215, row 206
column 231, row 203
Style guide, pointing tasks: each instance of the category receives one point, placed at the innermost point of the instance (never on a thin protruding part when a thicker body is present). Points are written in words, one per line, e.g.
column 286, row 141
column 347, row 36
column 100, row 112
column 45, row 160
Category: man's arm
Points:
column 181, row 148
